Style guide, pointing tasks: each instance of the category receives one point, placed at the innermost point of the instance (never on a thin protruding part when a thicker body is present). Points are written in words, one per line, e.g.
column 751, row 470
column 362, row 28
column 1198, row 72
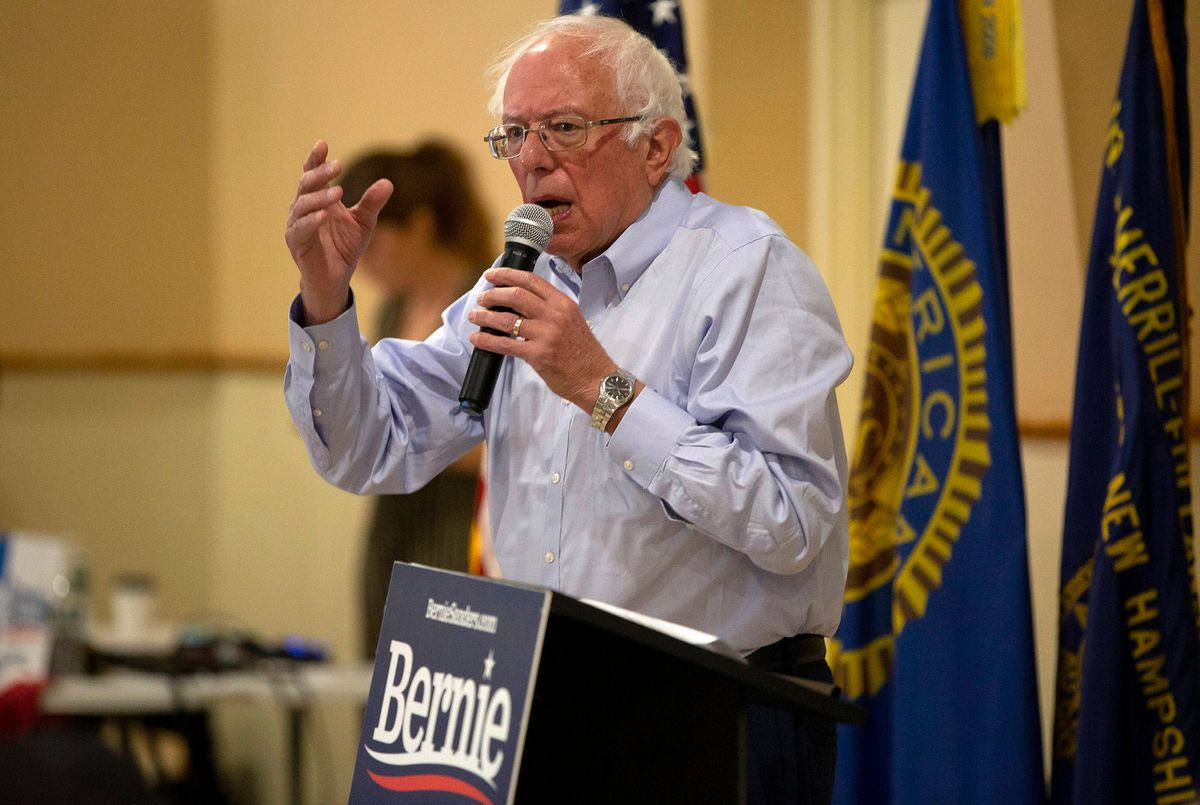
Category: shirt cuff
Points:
column 319, row 356
column 648, row 432
column 331, row 344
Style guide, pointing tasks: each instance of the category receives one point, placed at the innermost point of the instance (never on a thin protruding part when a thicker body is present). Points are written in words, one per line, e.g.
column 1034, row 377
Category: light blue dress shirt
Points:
column 719, row 502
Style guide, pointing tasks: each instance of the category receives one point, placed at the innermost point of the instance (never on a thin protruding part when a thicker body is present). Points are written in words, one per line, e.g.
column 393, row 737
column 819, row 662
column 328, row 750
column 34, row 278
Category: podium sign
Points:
column 494, row 692
column 451, row 691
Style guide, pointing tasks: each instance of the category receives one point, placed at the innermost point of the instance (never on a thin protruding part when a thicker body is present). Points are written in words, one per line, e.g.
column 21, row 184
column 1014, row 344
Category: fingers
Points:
column 545, row 312
column 514, row 278
column 522, row 291
column 372, row 201
column 554, row 338
column 513, row 299
column 308, row 214
column 564, row 354
column 503, row 323
column 500, row 344
column 313, row 202
column 318, row 175
column 314, row 196
column 317, row 155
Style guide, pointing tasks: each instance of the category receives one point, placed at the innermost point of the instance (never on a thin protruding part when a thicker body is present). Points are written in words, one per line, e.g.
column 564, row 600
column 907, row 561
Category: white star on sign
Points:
column 664, row 11
column 488, row 664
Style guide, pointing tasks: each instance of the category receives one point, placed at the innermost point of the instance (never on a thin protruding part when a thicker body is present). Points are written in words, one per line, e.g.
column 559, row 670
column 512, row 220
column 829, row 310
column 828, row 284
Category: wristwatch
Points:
column 615, row 391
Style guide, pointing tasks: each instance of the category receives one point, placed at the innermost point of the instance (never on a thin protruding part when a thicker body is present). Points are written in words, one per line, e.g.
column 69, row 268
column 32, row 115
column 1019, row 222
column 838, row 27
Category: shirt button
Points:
column 316, row 412
column 307, row 347
column 555, row 478
column 629, row 465
column 322, row 344
column 625, row 287
column 549, row 557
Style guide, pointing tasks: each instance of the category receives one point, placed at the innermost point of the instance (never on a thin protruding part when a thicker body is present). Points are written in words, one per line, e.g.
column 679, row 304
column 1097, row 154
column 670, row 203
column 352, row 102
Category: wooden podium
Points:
column 609, row 710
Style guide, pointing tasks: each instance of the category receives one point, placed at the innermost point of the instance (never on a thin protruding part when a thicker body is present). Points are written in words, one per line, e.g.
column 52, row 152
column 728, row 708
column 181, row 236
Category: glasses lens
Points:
column 564, row 133
column 505, row 141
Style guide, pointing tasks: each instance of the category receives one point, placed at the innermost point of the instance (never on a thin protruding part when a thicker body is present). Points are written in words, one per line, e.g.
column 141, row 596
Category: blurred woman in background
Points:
column 429, row 247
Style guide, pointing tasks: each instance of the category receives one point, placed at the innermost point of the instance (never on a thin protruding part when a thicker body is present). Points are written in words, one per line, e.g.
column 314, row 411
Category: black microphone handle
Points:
column 484, row 368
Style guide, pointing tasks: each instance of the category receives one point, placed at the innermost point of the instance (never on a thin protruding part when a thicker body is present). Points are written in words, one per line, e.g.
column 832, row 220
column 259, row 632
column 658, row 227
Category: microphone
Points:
column 526, row 232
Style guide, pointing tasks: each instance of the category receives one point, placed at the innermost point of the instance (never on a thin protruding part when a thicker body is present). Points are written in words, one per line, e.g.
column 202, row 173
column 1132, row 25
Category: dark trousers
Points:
column 791, row 757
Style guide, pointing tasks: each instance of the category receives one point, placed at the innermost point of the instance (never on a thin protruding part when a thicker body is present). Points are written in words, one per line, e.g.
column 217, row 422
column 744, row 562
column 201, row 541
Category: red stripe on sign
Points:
column 430, row 782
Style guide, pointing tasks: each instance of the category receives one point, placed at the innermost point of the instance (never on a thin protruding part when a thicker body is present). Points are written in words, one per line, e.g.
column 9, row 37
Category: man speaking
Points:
column 664, row 433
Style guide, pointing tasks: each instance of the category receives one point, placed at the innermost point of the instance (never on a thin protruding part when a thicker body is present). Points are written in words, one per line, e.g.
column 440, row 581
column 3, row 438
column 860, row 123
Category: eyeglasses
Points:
column 562, row 133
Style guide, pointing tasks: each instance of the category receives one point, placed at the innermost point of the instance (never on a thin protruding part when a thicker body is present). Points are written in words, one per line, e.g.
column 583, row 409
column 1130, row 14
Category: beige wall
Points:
column 287, row 74
column 153, row 148
column 106, row 212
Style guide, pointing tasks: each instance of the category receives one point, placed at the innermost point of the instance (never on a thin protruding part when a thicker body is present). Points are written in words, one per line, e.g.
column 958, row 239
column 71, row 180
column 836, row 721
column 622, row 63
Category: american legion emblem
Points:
column 922, row 444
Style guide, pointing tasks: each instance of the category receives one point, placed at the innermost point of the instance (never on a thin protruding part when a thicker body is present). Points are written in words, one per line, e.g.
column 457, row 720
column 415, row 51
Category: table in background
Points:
column 296, row 687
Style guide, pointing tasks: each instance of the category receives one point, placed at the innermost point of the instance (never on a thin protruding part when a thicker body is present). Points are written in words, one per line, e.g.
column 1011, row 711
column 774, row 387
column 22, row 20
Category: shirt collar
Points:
column 643, row 240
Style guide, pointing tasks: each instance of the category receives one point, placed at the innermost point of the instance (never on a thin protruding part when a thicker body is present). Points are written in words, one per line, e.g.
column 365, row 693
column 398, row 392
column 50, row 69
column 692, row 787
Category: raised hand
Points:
column 326, row 238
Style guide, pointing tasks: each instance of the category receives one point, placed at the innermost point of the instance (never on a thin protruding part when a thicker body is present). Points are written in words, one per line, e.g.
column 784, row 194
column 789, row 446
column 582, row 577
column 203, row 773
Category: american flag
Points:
column 662, row 22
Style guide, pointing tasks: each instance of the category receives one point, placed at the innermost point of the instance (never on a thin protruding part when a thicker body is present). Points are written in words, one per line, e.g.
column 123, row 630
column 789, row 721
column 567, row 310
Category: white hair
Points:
column 643, row 75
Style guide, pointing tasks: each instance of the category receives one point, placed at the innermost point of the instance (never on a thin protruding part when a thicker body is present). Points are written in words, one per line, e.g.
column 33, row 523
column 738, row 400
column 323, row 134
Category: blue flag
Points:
column 1127, row 728
column 937, row 636
column 661, row 21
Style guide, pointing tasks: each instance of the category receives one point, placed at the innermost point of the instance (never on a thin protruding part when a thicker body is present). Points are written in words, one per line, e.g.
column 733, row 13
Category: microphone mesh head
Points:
column 530, row 224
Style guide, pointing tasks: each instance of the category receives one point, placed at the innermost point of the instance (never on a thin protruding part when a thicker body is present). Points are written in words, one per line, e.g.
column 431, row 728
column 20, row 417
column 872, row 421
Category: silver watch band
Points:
column 606, row 405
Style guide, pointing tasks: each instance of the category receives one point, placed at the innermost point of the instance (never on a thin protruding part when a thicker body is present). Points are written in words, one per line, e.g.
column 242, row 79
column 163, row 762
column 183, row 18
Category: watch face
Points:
column 618, row 387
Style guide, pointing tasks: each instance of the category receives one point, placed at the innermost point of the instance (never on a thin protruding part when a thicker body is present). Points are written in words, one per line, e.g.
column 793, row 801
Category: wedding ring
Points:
column 516, row 328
